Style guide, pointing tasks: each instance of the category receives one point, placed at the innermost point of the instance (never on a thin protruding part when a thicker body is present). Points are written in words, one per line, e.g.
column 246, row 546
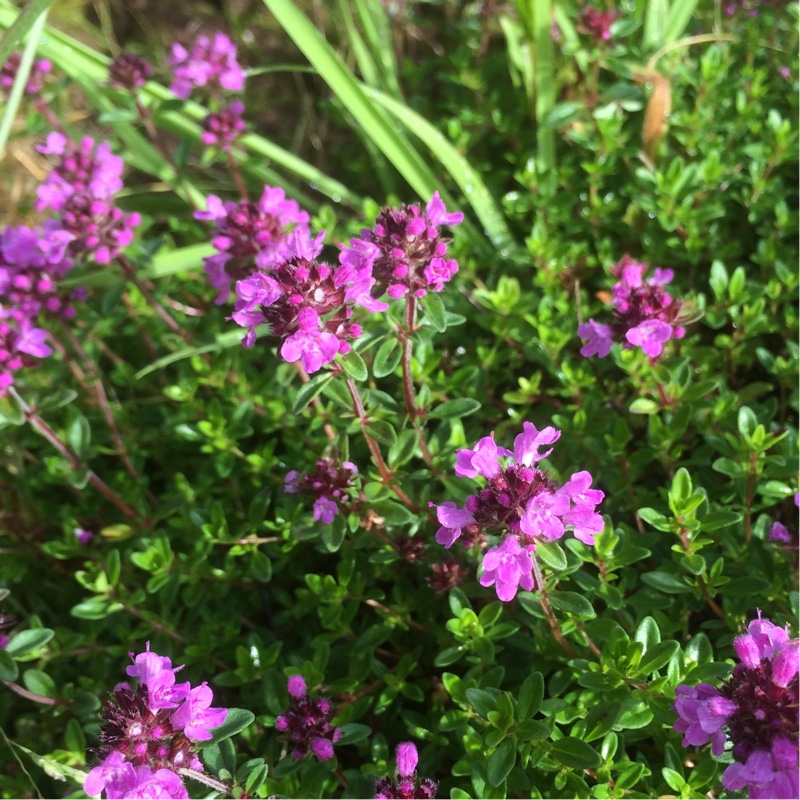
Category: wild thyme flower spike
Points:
column 222, row 128
column 150, row 732
column 81, row 188
column 306, row 722
column 330, row 484
column 128, row 71
column 520, row 503
column 405, row 250
column 209, row 62
column 36, row 79
column 249, row 237
column 405, row 786
column 646, row 315
column 308, row 303
column 754, row 711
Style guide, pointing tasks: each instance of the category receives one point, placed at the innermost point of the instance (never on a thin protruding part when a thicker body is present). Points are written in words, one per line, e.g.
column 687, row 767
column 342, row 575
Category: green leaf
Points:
column 654, row 518
column 354, row 732
column 530, row 696
column 434, row 310
column 575, row 753
column 236, row 720
column 656, row 656
column 27, row 641
column 39, row 682
column 113, row 567
column 482, row 701
column 382, row 431
column 680, row 491
column 552, row 555
column 715, row 520
column 665, row 582
column 354, row 366
column 460, row 407
column 18, row 30
column 748, row 422
column 648, row 633
column 573, row 603
column 308, row 391
column 387, row 358
column 501, row 762
column 8, row 667
column 643, row 405
column 678, row 16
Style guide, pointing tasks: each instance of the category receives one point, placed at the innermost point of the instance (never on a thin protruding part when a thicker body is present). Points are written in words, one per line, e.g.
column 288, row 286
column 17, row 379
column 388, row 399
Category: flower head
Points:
column 36, row 78
column 306, row 723
column 405, row 786
column 209, row 62
column 330, row 484
column 128, row 71
column 755, row 710
column 222, row 128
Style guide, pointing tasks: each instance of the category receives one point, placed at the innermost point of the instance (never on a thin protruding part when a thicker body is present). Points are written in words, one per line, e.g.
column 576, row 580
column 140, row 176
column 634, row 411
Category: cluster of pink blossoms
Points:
column 405, row 787
column 306, row 302
column 31, row 264
column 36, row 78
column 329, row 483
column 405, row 250
column 149, row 733
column 758, row 707
column 81, row 188
column 250, row 237
column 646, row 315
column 598, row 23
column 521, row 503
column 128, row 71
column 306, row 724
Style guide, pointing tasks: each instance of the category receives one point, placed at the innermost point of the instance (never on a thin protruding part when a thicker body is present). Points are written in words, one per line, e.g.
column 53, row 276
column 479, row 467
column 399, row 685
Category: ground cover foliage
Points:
column 523, row 529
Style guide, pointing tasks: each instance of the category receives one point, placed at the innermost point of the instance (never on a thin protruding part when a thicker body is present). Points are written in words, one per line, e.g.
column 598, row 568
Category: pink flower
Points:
column 650, row 335
column 325, row 510
column 311, row 348
column 208, row 62
column 598, row 338
column 483, row 460
column 509, row 567
column 527, row 443
column 195, row 717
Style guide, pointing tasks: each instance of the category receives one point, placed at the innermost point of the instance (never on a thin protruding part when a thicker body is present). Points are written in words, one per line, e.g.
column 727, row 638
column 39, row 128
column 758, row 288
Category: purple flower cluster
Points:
column 309, row 304
column 222, row 128
column 209, row 62
column 128, row 71
column 249, row 236
column 405, row 787
column 307, row 722
column 36, row 78
column 520, row 503
column 598, row 23
column 405, row 250
column 755, row 710
column 149, row 733
column 329, row 483
column 646, row 315
column 81, row 187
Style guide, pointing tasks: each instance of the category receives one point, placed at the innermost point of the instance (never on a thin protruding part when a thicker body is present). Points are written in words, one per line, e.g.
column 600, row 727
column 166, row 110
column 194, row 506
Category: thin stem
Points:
column 40, row 425
column 127, row 268
column 329, row 431
column 237, row 175
column 388, row 611
column 36, row 698
column 383, row 469
column 207, row 780
column 548, row 610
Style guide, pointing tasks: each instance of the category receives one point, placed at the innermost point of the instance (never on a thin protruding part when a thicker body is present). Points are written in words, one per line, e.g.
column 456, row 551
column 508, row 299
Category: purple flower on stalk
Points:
column 313, row 308
column 83, row 537
column 128, row 71
column 405, row 250
column 148, row 733
column 330, row 484
column 84, row 167
column 208, row 62
column 405, row 786
column 249, row 236
column 36, row 78
column 598, row 23
column 99, row 229
column 222, row 128
column 509, row 567
column 755, row 710
column 306, row 723
column 645, row 314
column 519, row 503
column 18, row 341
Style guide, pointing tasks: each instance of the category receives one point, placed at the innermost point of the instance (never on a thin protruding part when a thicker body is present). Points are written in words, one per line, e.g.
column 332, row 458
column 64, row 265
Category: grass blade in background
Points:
column 21, row 79
column 22, row 23
column 680, row 12
column 378, row 36
column 655, row 24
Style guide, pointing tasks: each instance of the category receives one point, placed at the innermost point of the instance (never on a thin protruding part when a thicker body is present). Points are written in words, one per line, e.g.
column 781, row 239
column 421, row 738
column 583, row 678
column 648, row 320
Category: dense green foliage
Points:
column 540, row 143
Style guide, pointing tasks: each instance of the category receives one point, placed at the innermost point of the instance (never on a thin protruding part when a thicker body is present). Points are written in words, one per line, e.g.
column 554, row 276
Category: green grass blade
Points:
column 366, row 63
column 545, row 77
column 680, row 12
column 655, row 23
column 20, row 81
column 378, row 34
column 21, row 23
column 224, row 341
column 462, row 172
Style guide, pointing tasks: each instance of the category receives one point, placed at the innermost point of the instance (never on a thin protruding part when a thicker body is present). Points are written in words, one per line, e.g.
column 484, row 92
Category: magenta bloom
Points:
column 405, row 787
column 508, row 567
column 80, row 168
column 222, row 128
column 148, row 733
column 208, row 62
column 306, row 723
column 405, row 250
column 249, row 237
column 83, row 537
column 36, row 78
column 128, row 71
column 519, row 502
column 755, row 709
column 18, row 341
column 598, row 23
column 645, row 314
column 330, row 485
